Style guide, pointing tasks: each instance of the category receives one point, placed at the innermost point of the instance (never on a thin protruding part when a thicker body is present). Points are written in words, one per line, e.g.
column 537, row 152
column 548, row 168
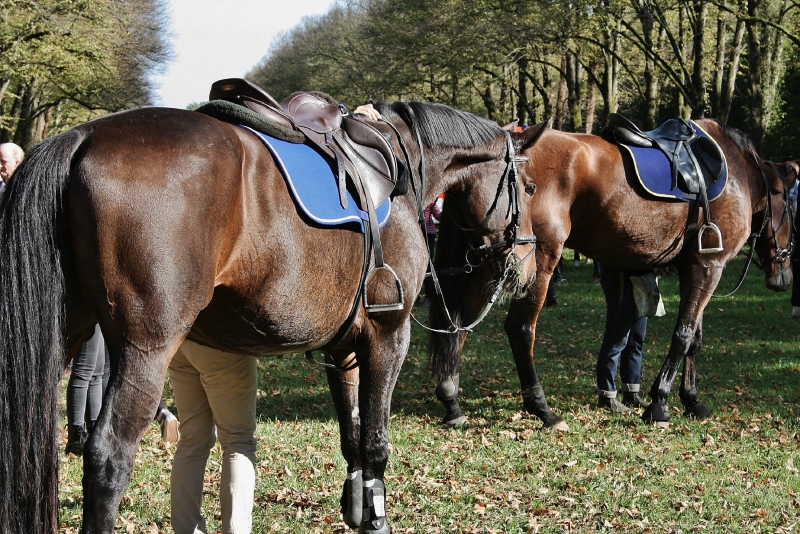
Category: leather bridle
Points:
column 509, row 181
column 780, row 253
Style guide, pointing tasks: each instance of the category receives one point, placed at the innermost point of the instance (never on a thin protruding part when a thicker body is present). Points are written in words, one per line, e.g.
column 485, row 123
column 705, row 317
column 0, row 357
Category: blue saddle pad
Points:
column 314, row 186
column 654, row 171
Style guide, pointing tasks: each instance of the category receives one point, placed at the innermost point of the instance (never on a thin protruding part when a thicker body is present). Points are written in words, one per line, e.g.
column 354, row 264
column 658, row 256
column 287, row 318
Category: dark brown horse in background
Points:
column 164, row 225
column 586, row 199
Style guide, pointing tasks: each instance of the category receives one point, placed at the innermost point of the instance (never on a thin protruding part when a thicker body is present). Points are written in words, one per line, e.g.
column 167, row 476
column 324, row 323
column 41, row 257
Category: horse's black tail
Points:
column 445, row 349
column 32, row 223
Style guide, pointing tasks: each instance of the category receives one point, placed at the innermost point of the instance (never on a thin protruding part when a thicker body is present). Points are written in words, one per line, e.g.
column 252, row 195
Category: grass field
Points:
column 736, row 472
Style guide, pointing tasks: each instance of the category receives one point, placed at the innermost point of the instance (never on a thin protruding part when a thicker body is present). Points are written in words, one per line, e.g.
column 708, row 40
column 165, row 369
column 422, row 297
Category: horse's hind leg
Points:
column 688, row 391
column 133, row 393
column 697, row 283
column 344, row 390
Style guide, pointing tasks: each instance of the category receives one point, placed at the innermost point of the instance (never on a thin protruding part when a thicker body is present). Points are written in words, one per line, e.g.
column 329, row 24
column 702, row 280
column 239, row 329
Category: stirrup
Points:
column 379, row 308
column 716, row 231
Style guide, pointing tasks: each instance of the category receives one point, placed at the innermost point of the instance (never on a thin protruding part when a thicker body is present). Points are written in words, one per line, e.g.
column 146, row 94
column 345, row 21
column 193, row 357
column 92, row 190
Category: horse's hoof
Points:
column 698, row 410
column 373, row 519
column 456, row 421
column 351, row 499
column 661, row 424
column 657, row 412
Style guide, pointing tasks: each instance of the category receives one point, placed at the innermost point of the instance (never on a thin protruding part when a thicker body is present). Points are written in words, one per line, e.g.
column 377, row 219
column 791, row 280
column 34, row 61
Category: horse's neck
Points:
column 446, row 167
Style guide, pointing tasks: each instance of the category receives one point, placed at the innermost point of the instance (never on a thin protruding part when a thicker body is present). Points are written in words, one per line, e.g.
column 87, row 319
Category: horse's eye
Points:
column 530, row 189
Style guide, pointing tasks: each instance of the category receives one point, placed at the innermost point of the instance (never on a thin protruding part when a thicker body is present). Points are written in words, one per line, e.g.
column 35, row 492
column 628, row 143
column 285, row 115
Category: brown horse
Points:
column 586, row 199
column 164, row 225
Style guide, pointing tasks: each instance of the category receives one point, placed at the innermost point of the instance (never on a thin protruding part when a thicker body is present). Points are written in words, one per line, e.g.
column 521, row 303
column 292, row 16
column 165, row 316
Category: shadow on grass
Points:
column 748, row 359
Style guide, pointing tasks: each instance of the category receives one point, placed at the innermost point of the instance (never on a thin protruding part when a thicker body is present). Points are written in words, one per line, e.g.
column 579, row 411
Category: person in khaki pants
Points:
column 213, row 389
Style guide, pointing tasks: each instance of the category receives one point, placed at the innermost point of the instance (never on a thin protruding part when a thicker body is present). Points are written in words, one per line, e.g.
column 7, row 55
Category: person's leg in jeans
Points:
column 630, row 371
column 98, row 382
column 619, row 320
column 230, row 385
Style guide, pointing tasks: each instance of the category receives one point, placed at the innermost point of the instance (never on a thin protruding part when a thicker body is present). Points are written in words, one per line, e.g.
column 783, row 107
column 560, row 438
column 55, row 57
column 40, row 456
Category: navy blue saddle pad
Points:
column 314, row 186
column 654, row 171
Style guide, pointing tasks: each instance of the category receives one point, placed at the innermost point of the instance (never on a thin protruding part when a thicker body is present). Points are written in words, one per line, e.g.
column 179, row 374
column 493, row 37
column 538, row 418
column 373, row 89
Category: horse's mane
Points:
column 441, row 125
column 739, row 138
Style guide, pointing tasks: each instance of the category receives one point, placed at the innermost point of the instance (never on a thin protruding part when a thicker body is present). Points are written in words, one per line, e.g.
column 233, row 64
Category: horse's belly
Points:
column 278, row 322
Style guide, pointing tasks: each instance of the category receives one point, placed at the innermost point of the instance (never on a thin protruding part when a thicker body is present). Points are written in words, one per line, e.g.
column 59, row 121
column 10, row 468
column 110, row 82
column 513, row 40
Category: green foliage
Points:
column 737, row 472
column 576, row 61
column 63, row 62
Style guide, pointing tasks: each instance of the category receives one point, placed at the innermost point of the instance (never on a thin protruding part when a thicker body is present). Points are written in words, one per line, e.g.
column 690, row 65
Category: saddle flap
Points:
column 373, row 147
column 371, row 166
column 310, row 111
column 709, row 157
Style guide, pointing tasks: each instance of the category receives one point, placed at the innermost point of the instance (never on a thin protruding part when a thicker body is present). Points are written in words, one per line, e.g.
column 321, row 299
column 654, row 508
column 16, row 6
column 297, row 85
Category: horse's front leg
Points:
column 688, row 391
column 465, row 293
column 520, row 326
column 130, row 402
column 697, row 284
column 378, row 368
column 343, row 383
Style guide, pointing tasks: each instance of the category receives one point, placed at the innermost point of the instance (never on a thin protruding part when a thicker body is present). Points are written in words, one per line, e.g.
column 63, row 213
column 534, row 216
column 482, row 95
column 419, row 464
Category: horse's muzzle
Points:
column 780, row 280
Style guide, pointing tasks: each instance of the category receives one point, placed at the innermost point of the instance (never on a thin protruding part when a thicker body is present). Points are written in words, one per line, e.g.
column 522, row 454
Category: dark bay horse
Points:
column 586, row 199
column 164, row 225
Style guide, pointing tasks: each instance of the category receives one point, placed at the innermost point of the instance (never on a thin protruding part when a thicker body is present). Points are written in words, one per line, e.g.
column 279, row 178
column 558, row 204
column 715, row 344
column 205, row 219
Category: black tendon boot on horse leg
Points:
column 343, row 383
column 688, row 392
column 447, row 393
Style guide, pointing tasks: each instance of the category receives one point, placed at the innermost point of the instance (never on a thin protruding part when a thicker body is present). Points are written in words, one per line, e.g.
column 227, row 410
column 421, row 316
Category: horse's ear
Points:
column 528, row 137
column 511, row 126
column 789, row 172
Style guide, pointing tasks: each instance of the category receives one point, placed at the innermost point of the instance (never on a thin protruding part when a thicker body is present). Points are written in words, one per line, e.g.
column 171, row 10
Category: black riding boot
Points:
column 76, row 439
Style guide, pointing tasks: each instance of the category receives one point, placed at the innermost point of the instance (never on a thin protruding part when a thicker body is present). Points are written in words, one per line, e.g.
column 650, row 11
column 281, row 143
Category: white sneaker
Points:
column 795, row 312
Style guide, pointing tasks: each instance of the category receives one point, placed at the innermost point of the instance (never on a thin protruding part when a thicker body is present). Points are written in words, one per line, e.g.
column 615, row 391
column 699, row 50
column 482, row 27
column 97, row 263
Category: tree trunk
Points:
column 719, row 68
column 730, row 85
column 756, row 94
column 591, row 95
column 522, row 102
column 650, row 74
column 562, row 96
column 699, row 92
column 573, row 81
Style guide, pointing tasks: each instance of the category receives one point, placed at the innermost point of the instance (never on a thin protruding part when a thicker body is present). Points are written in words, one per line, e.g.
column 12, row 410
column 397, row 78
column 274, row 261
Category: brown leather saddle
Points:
column 354, row 148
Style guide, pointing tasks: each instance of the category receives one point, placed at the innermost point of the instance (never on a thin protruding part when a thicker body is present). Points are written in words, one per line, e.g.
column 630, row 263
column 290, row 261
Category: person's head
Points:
column 10, row 156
